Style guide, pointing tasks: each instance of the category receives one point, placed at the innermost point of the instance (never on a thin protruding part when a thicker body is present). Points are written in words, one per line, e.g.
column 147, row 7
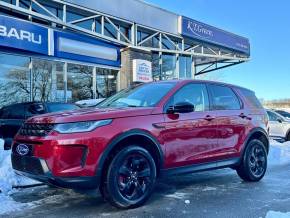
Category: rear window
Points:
column 224, row 98
column 61, row 107
column 13, row 112
column 252, row 99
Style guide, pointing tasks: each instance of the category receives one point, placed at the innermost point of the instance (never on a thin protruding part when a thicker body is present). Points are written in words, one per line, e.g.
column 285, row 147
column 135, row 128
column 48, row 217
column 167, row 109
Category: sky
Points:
column 266, row 23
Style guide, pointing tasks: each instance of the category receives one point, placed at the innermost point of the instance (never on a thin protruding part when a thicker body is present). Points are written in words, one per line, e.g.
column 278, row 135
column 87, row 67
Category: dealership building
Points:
column 72, row 50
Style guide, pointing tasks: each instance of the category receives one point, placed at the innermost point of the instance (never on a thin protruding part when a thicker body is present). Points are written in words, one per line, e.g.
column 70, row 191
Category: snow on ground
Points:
column 8, row 179
column 279, row 153
column 274, row 214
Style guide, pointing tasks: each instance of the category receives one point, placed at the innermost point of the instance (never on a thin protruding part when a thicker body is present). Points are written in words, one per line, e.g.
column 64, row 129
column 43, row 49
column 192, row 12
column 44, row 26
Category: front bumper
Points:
column 37, row 169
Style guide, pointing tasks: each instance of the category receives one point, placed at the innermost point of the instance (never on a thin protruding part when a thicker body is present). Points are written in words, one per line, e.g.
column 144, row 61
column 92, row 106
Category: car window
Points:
column 195, row 94
column 16, row 112
column 272, row 116
column 284, row 114
column 35, row 109
column 251, row 97
column 61, row 107
column 147, row 95
column 4, row 113
column 224, row 98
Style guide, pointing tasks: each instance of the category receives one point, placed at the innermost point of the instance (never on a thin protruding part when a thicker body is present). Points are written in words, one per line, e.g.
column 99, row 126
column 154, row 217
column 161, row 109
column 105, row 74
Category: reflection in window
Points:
column 79, row 82
column 185, row 68
column 47, row 81
column 14, row 79
column 106, row 83
column 168, row 67
column 155, row 67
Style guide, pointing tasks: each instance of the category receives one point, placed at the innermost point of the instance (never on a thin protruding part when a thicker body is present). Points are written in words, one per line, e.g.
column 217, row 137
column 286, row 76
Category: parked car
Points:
column 89, row 102
column 283, row 113
column 145, row 132
column 279, row 126
column 13, row 116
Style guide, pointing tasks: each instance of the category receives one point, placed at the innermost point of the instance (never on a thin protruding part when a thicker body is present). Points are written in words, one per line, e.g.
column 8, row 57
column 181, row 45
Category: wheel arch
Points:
column 257, row 133
column 141, row 138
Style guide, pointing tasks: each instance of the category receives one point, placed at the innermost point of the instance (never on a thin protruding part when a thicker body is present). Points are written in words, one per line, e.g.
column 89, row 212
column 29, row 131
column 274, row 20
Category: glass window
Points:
column 168, row 67
column 155, row 67
column 273, row 116
column 106, row 83
column 195, row 94
column 17, row 111
column 79, row 82
column 110, row 30
column 185, row 67
column 4, row 113
column 47, row 81
column 223, row 98
column 35, row 109
column 14, row 79
column 147, row 95
column 251, row 97
column 284, row 114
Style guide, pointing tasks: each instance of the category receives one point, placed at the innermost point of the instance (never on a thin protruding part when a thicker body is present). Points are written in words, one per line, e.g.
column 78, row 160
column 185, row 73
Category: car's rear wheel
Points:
column 130, row 178
column 254, row 162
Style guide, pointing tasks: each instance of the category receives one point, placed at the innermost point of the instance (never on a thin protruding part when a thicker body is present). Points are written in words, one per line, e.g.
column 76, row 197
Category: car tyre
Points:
column 130, row 178
column 254, row 162
column 288, row 137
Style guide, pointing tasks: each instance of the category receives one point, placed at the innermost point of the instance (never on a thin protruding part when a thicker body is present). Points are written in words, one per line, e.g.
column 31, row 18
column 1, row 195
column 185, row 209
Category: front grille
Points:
column 30, row 129
column 26, row 164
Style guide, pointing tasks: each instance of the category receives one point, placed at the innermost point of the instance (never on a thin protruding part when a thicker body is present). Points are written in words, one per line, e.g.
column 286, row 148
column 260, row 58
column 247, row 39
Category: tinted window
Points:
column 196, row 94
column 35, row 109
column 147, row 95
column 284, row 114
column 251, row 97
column 223, row 98
column 4, row 113
column 273, row 116
column 61, row 107
column 16, row 112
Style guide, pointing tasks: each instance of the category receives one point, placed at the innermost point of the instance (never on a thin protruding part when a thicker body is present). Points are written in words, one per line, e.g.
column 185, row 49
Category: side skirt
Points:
column 201, row 167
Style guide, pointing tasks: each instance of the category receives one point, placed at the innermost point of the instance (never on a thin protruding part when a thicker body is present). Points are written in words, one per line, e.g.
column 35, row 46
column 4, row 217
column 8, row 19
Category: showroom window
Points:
column 168, row 67
column 79, row 82
column 185, row 67
column 106, row 82
column 14, row 79
column 47, row 81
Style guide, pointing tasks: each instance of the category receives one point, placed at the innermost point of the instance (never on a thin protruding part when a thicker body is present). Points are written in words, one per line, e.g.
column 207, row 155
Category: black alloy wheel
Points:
column 253, row 164
column 130, row 178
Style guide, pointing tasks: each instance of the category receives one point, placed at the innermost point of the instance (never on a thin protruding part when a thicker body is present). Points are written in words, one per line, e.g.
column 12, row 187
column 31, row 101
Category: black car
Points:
column 283, row 113
column 13, row 116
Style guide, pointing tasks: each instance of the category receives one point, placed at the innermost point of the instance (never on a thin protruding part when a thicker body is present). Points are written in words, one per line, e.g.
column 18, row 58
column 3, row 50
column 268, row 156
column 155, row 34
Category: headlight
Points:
column 79, row 127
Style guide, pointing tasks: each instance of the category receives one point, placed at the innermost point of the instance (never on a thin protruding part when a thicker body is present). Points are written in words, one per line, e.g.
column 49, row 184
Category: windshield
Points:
column 147, row 95
column 284, row 114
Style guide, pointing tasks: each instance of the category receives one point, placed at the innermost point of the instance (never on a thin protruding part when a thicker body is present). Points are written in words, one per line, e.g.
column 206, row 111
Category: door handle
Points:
column 243, row 116
column 209, row 118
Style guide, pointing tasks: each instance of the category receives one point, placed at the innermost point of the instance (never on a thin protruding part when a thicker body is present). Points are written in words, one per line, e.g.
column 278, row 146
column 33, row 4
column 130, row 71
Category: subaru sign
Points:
column 142, row 70
column 18, row 34
column 203, row 32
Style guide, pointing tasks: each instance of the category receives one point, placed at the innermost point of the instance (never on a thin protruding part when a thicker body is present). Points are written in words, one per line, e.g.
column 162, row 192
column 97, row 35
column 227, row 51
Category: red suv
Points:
column 145, row 132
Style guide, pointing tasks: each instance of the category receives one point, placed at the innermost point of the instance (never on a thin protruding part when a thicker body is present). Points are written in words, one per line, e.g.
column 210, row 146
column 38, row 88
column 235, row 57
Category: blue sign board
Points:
column 203, row 32
column 86, row 49
column 18, row 34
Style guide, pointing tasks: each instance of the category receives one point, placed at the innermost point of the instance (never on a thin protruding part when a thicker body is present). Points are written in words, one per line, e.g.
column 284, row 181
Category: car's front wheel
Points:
column 130, row 178
column 254, row 162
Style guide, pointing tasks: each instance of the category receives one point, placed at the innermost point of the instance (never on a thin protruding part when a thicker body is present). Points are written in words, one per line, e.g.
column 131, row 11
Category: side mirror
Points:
column 280, row 120
column 181, row 108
